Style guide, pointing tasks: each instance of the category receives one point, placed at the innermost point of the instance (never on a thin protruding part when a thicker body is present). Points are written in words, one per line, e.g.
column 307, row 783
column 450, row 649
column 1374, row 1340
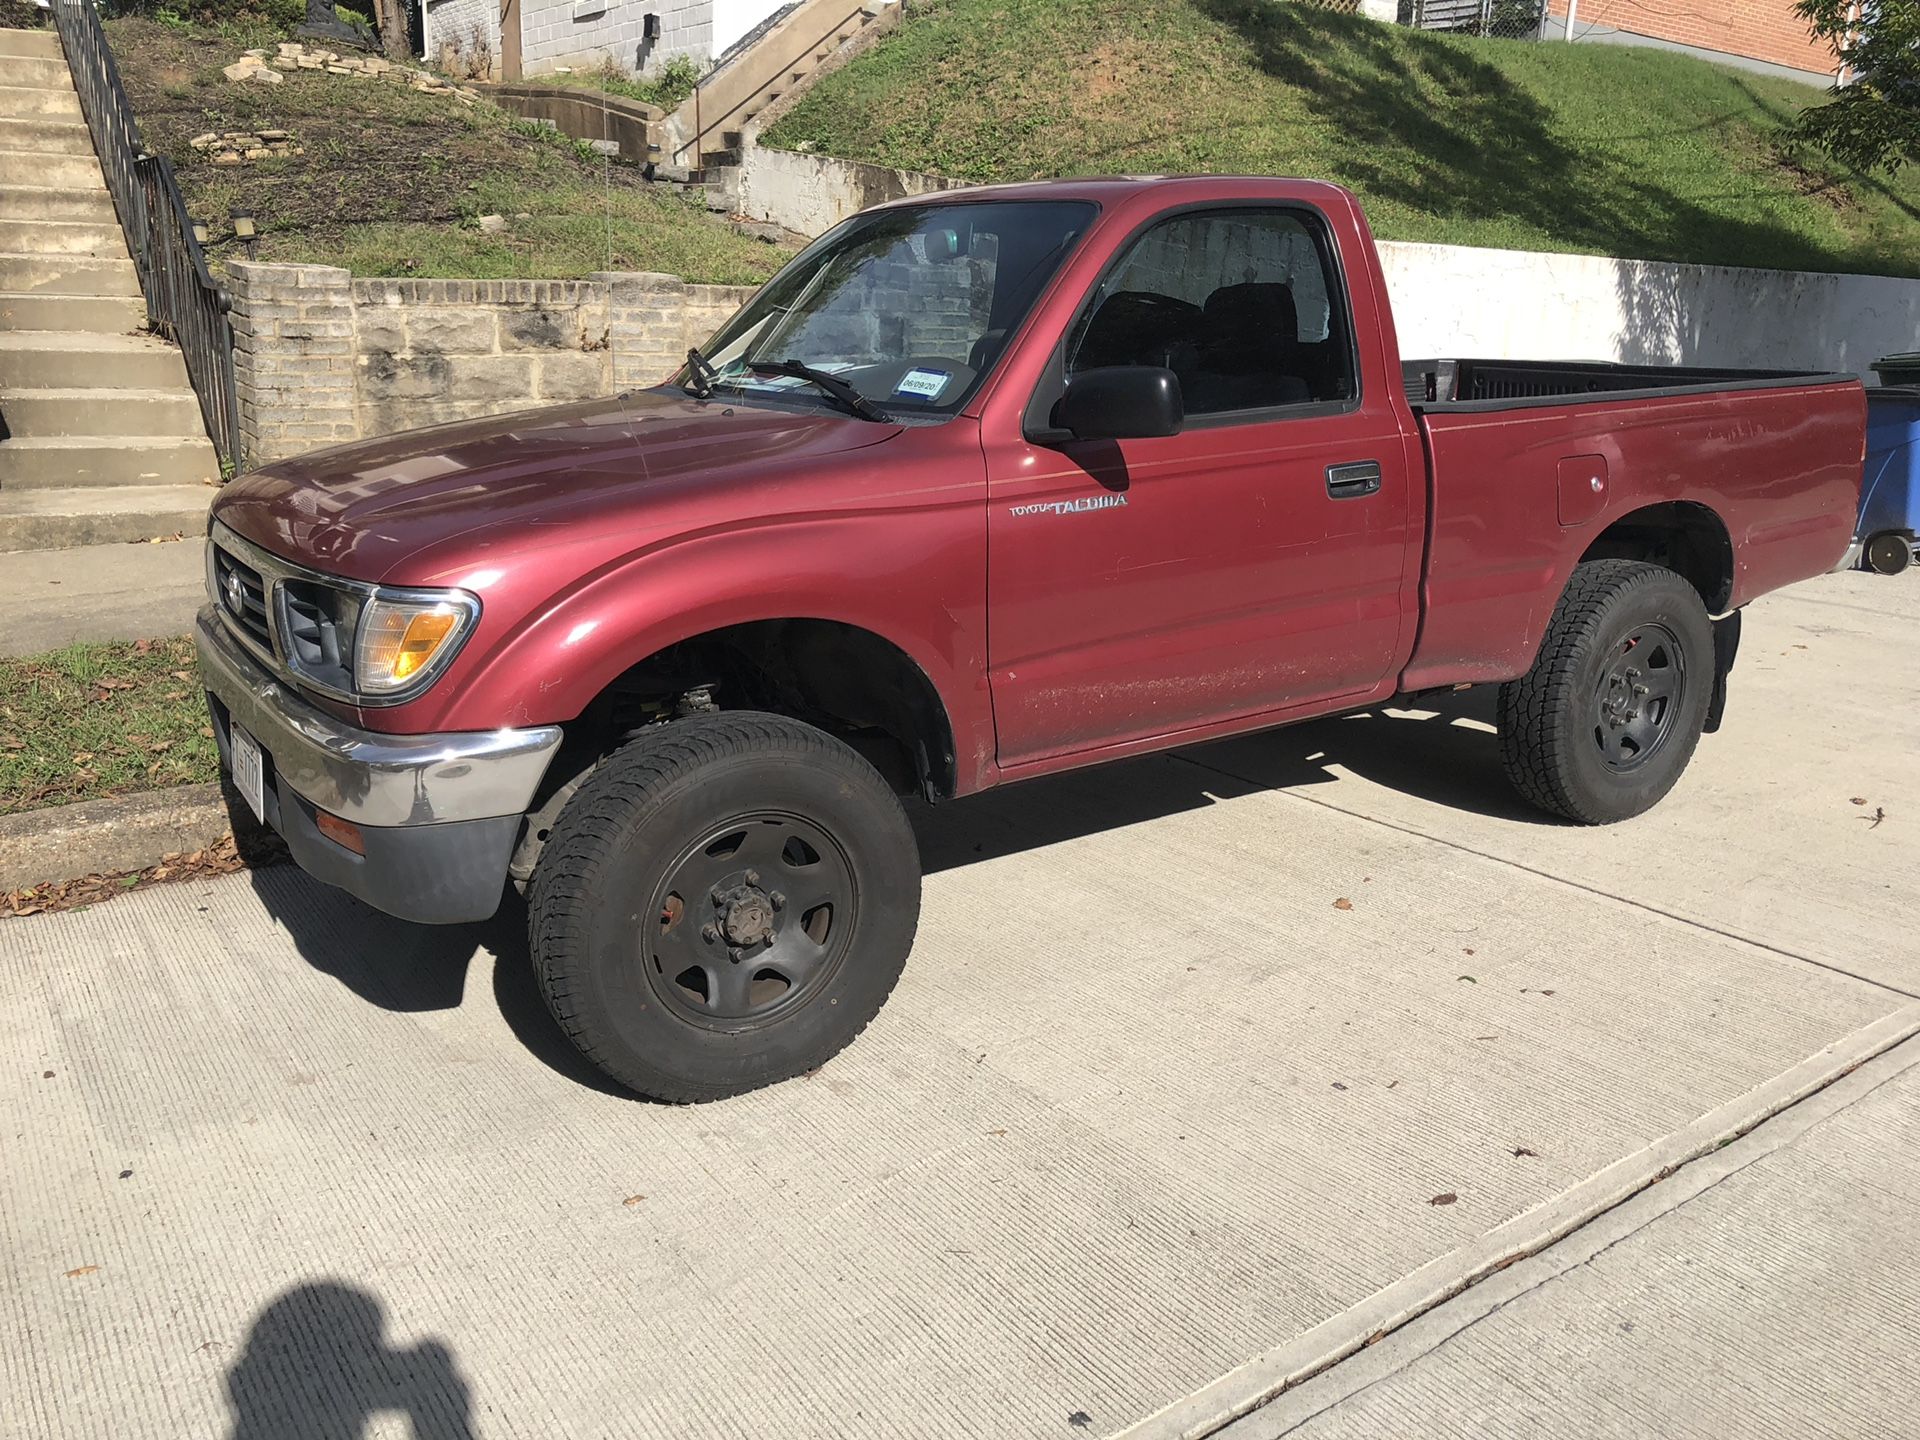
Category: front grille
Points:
column 242, row 597
column 316, row 640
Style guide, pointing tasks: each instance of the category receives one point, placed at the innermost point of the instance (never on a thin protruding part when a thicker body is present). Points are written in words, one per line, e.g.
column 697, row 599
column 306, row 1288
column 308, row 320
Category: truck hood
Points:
column 359, row 510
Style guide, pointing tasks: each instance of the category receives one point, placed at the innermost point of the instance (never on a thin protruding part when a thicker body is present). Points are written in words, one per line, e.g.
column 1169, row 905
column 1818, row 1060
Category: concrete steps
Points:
column 45, row 412
column 59, row 360
column 88, row 314
column 54, row 462
column 779, row 64
column 67, row 275
column 49, row 137
column 92, row 205
column 62, row 237
column 38, row 72
column 21, row 102
column 53, row 519
column 104, row 441
column 46, row 167
column 38, row 44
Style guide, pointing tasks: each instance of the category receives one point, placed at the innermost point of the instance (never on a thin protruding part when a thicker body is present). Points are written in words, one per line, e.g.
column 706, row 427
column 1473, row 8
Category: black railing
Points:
column 184, row 303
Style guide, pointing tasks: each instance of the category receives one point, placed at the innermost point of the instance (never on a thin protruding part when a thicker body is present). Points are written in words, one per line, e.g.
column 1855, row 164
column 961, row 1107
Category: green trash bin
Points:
column 1898, row 369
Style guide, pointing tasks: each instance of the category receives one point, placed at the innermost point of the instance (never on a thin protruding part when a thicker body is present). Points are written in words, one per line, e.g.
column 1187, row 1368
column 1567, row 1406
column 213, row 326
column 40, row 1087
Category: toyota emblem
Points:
column 236, row 593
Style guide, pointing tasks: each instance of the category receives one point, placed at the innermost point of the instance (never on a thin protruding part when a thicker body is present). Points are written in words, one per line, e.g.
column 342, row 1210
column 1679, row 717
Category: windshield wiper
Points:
column 702, row 373
column 831, row 385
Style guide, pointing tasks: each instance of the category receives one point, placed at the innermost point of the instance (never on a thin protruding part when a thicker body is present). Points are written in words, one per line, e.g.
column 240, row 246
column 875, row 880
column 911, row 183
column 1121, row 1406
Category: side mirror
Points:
column 1122, row 402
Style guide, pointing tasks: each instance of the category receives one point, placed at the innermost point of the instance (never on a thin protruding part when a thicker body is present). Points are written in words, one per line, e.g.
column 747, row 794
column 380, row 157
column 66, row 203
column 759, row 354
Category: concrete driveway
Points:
column 1151, row 1129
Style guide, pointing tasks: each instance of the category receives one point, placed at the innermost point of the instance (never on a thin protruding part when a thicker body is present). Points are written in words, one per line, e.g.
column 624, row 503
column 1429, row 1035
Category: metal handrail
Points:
column 184, row 302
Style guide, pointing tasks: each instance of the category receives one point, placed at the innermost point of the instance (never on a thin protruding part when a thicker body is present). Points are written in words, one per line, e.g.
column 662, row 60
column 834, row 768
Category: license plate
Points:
column 248, row 773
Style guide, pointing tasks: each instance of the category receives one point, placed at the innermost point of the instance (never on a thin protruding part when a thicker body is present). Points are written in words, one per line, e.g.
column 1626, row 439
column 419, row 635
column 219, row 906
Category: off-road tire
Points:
column 619, row 839
column 1550, row 740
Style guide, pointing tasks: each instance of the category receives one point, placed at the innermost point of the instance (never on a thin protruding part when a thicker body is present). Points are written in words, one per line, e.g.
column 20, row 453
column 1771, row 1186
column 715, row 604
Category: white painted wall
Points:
column 734, row 18
column 1515, row 305
column 1451, row 300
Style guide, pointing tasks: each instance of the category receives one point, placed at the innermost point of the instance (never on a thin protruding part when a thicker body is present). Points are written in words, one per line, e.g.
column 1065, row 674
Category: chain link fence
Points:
column 1506, row 19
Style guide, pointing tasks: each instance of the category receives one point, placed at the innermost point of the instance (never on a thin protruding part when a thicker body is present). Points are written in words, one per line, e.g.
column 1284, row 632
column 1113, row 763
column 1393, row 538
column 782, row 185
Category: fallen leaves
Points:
column 1519, row 1151
column 220, row 858
column 80, row 1270
column 1446, row 1199
column 1857, row 800
column 1343, row 903
column 632, row 1200
column 1873, row 821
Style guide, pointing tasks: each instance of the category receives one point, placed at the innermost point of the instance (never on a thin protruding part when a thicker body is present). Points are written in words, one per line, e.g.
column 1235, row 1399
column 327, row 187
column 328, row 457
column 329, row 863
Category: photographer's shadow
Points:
column 317, row 1366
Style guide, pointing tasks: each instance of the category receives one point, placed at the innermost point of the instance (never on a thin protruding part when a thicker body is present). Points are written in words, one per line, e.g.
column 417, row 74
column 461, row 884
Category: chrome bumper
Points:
column 363, row 776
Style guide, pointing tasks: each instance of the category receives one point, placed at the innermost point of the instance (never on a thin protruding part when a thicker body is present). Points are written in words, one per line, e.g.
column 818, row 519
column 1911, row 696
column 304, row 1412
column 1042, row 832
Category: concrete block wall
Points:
column 321, row 358
column 467, row 27
column 593, row 32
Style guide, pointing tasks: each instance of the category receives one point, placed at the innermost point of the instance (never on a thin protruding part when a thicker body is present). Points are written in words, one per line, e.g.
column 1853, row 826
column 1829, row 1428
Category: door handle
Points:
column 1354, row 479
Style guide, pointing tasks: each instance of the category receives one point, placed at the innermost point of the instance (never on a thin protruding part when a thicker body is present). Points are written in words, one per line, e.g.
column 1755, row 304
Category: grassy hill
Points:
column 1521, row 145
column 392, row 180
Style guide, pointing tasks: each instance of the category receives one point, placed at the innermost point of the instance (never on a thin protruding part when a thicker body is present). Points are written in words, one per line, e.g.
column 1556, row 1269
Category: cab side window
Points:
column 1242, row 305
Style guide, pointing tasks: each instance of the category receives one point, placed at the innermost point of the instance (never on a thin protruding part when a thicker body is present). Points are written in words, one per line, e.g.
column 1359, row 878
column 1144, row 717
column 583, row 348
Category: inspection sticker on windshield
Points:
column 923, row 384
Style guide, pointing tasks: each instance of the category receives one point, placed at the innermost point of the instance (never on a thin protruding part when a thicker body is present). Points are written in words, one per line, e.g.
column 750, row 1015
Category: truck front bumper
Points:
column 438, row 814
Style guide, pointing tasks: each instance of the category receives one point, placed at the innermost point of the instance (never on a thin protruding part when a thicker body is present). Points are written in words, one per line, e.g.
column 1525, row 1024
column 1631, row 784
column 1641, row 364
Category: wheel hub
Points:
column 745, row 915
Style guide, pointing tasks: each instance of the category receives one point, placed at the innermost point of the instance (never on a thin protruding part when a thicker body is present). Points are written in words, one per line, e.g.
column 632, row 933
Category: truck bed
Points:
column 1533, row 465
column 1507, row 384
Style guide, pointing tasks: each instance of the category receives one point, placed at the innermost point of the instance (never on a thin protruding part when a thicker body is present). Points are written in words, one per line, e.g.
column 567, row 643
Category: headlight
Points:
column 402, row 641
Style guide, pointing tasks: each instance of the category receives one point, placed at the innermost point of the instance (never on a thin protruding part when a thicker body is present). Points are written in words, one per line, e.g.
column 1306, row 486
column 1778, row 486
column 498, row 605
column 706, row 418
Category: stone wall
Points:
column 321, row 357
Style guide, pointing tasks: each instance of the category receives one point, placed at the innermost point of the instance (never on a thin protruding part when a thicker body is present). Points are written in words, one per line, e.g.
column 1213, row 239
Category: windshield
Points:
column 909, row 307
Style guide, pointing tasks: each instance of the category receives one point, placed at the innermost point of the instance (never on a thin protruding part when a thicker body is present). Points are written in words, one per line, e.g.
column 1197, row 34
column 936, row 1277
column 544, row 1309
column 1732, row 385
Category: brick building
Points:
column 1765, row 34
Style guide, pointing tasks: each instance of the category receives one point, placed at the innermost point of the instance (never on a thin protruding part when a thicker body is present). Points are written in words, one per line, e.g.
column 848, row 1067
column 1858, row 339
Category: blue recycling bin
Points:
column 1890, row 486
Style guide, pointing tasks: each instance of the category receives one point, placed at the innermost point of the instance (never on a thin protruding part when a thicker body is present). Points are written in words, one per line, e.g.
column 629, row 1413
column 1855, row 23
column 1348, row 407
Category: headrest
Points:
column 1253, row 308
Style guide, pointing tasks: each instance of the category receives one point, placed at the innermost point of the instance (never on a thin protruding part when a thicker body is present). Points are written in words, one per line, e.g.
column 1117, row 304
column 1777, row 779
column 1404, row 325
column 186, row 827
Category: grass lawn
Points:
column 97, row 720
column 393, row 180
column 1513, row 144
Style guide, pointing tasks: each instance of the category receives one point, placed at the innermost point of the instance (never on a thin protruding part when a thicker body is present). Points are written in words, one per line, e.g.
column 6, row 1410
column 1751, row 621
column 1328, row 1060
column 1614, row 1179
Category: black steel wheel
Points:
column 1889, row 552
column 1640, row 695
column 746, row 925
column 1605, row 721
column 723, row 904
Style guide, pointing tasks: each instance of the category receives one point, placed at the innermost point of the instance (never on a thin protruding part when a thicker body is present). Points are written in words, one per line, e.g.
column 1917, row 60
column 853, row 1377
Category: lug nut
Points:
column 709, row 933
column 738, row 954
column 1639, row 690
column 777, row 900
column 753, row 877
column 717, row 895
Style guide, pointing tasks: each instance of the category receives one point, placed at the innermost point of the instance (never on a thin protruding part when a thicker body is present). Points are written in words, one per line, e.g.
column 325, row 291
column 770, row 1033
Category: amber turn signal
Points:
column 343, row 833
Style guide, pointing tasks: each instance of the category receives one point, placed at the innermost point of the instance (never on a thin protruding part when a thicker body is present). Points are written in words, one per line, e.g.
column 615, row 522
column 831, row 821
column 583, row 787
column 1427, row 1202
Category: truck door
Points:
column 1251, row 563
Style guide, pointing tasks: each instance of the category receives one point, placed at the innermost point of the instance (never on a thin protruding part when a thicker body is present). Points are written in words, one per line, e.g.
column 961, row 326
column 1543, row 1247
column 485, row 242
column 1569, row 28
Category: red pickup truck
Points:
column 982, row 486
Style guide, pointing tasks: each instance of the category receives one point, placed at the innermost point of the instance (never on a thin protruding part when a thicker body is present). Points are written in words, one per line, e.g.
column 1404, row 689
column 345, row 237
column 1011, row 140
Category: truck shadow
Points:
column 1426, row 753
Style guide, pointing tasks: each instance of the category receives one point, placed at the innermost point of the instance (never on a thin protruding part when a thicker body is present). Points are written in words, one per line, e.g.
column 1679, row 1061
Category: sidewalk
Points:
column 53, row 598
column 1771, row 1291
column 1148, row 1117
